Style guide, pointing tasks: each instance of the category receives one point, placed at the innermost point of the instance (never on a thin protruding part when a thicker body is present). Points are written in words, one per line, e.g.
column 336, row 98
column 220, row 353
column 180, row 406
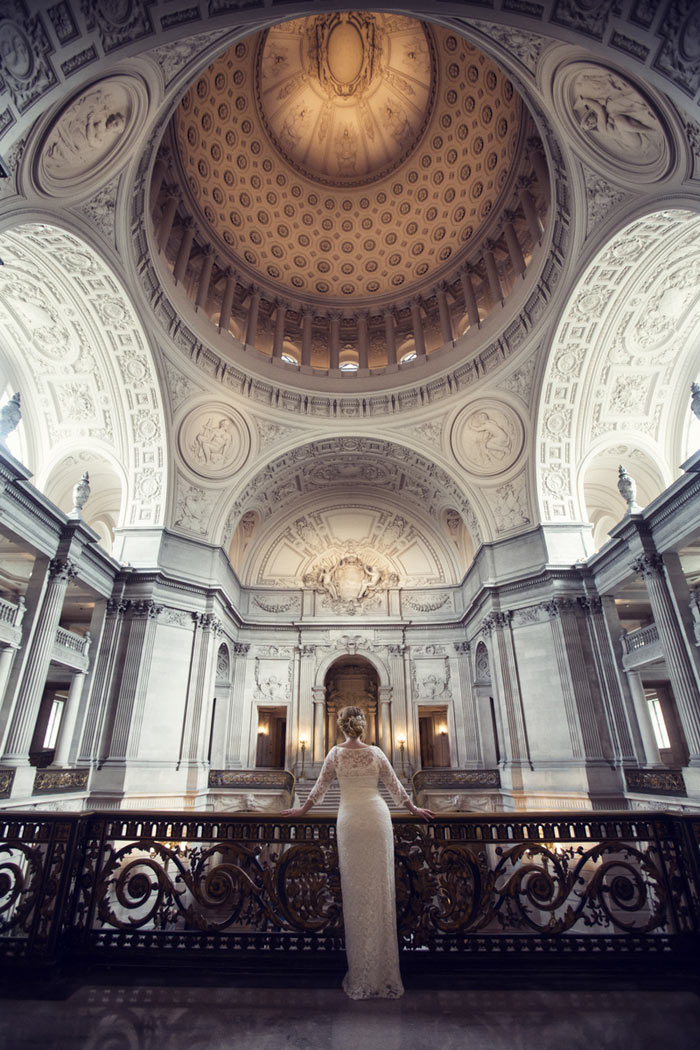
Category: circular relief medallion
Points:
column 487, row 437
column 614, row 120
column 91, row 136
column 214, row 441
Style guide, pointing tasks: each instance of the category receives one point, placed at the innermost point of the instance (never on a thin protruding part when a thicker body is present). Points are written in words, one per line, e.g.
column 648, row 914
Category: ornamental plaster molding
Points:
column 487, row 437
column 214, row 440
column 95, row 379
column 527, row 48
column 621, row 338
column 175, row 57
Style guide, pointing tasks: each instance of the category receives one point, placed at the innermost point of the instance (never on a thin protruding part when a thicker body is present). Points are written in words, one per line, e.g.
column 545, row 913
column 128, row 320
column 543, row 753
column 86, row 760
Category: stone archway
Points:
column 352, row 680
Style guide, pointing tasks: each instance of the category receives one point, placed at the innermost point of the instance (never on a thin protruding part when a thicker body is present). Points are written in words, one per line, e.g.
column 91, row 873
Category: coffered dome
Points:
column 347, row 156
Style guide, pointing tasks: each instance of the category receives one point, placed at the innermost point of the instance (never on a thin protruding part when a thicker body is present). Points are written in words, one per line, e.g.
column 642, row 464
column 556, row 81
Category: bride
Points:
column 365, row 856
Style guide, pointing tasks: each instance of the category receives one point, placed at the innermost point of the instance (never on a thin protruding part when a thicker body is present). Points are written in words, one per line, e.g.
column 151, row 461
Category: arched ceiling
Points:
column 83, row 364
column 348, row 157
column 620, row 367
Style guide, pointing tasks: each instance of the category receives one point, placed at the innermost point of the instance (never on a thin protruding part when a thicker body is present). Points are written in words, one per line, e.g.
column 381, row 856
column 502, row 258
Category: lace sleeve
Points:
column 390, row 780
column 325, row 779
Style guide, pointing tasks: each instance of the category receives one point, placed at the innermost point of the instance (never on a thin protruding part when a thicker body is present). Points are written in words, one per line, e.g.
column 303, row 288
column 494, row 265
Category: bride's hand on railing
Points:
column 423, row 814
column 293, row 813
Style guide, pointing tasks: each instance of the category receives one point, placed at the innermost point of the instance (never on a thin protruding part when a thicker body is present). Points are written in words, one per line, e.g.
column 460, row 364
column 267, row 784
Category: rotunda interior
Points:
column 374, row 337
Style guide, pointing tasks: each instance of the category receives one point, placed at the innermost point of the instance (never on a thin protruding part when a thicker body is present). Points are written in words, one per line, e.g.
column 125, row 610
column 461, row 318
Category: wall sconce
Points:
column 401, row 741
column 442, row 729
column 262, row 729
column 303, row 744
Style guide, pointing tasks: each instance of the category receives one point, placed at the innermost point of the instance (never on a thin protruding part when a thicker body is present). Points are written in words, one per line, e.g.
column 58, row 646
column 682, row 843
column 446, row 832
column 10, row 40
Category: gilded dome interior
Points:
column 350, row 157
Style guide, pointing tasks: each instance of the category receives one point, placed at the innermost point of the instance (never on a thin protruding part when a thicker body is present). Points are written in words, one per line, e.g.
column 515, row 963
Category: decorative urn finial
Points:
column 10, row 415
column 81, row 494
column 627, row 487
column 695, row 399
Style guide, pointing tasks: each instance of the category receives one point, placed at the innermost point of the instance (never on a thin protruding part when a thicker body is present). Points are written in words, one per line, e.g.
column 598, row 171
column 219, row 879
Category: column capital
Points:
column 523, row 182
column 188, row 223
column 306, row 651
column 590, row 603
column 240, row 648
column 489, row 245
column 208, row 250
column 441, row 286
column 462, row 648
column 509, row 215
column 147, row 609
column 648, row 566
column 62, row 569
column 117, row 606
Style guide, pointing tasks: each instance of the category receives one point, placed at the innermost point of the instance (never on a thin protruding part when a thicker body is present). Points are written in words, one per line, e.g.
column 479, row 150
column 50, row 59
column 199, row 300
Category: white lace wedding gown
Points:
column 366, row 860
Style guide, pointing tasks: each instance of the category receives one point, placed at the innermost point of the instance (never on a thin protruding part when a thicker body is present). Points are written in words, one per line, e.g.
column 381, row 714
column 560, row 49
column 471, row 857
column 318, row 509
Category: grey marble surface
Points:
column 100, row 1017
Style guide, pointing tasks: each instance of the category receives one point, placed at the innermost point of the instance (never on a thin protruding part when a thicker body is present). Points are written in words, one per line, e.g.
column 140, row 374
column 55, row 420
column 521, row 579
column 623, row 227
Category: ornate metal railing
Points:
column 104, row 886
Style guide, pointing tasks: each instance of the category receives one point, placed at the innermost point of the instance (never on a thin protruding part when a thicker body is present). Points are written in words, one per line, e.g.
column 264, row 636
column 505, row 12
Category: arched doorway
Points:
column 351, row 680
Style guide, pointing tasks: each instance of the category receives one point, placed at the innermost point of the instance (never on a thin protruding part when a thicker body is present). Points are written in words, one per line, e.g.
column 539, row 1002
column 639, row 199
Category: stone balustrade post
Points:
column 652, row 758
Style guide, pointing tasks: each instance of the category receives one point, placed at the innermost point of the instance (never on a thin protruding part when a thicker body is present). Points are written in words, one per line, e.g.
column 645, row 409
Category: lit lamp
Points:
column 401, row 740
column 303, row 742
column 442, row 729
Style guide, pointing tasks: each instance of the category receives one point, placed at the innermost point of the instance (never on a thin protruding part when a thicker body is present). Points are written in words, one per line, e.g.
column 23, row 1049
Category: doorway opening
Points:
column 351, row 681
column 272, row 734
column 434, row 738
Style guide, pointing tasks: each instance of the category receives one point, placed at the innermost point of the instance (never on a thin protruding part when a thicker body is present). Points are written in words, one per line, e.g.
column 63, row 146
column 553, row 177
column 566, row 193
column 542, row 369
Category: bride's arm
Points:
column 318, row 791
column 396, row 789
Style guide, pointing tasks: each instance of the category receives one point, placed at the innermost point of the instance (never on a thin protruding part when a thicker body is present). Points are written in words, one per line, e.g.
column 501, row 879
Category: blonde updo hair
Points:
column 351, row 721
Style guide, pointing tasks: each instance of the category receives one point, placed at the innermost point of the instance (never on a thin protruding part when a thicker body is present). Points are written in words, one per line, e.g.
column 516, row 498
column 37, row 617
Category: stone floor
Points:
column 109, row 1016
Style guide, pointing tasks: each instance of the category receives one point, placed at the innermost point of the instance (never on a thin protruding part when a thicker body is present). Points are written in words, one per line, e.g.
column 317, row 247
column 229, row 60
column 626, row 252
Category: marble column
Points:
column 205, row 277
column 418, row 336
column 227, row 301
column 385, row 732
column 306, row 326
column 318, row 696
column 235, row 729
column 362, row 340
column 134, row 682
column 650, row 568
column 69, row 718
column 445, row 319
column 160, row 170
column 334, row 340
column 390, row 335
column 515, row 252
column 24, row 718
column 529, row 209
column 516, row 750
column 603, row 623
column 198, row 700
column 492, row 273
column 251, row 332
column 280, row 313
column 469, row 753
column 470, row 303
column 96, row 731
column 305, row 710
column 7, row 653
column 167, row 218
column 652, row 758
column 538, row 160
column 183, row 252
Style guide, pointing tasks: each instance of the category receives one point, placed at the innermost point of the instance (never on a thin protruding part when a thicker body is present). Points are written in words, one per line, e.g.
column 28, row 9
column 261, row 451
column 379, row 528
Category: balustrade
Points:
column 593, row 886
column 634, row 640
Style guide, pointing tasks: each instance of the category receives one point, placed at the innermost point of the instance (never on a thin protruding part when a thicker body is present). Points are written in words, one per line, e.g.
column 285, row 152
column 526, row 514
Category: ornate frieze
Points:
column 349, row 582
column 278, row 605
column 7, row 777
column 656, row 781
column 251, row 779
column 424, row 602
column 56, row 781
column 461, row 779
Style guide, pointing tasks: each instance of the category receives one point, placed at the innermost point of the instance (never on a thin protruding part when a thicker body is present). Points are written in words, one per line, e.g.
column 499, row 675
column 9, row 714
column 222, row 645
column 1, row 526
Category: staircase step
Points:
column 332, row 799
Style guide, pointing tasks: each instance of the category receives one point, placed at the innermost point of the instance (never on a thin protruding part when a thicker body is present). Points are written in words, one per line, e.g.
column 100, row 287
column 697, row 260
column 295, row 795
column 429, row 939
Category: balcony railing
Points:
column 253, row 891
column 634, row 640
column 11, row 617
column 71, row 648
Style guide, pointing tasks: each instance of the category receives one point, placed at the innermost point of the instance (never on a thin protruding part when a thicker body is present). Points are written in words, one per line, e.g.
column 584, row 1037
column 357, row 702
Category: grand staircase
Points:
column 332, row 800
